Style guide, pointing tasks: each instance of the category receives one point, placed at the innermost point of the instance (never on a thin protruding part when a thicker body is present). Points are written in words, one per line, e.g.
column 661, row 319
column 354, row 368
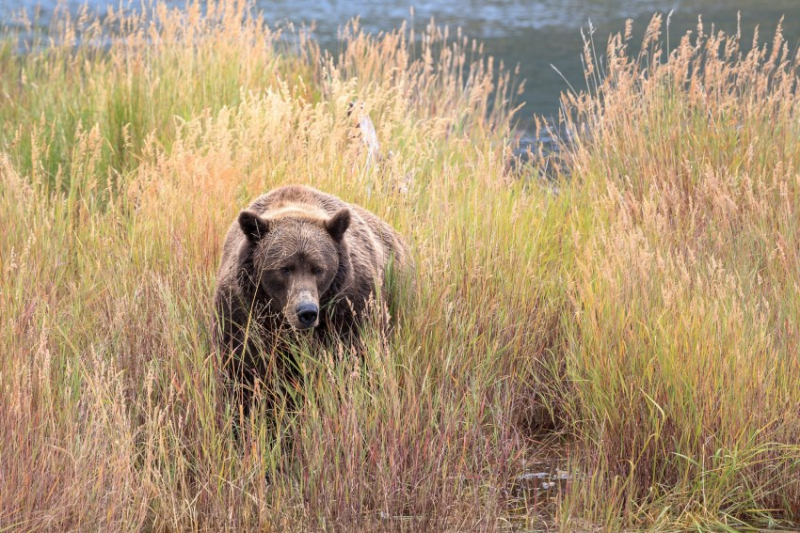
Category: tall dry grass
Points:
column 683, row 352
column 636, row 318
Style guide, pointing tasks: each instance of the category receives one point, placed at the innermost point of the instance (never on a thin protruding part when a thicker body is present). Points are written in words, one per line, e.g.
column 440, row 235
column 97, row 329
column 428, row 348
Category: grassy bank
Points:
column 632, row 320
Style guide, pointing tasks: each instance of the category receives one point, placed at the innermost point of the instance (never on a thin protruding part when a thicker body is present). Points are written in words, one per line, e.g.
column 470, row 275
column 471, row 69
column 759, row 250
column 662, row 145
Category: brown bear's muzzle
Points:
column 302, row 309
column 307, row 315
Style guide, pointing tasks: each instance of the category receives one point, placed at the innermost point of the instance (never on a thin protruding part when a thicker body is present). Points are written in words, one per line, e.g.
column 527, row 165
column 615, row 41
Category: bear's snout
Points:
column 307, row 314
column 302, row 307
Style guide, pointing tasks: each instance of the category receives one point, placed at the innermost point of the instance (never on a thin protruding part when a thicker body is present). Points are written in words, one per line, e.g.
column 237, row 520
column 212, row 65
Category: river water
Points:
column 532, row 33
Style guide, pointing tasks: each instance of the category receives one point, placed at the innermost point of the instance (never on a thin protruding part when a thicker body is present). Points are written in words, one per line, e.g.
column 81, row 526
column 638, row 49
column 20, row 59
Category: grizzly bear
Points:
column 298, row 259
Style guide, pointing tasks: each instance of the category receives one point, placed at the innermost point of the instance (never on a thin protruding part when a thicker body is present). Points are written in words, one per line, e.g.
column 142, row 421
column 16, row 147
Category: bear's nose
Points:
column 307, row 314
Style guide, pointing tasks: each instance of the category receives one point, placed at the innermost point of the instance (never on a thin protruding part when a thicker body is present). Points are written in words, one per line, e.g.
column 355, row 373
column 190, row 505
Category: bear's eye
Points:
column 286, row 270
column 316, row 270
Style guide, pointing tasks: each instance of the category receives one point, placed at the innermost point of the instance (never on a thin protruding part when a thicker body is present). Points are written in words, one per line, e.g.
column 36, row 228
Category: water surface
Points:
column 532, row 33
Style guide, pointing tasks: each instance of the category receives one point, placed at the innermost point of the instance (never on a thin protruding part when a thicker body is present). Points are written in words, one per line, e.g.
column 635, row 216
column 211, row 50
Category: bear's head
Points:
column 296, row 255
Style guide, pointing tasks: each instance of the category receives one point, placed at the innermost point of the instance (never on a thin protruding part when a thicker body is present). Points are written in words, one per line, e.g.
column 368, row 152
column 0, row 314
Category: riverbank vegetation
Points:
column 602, row 338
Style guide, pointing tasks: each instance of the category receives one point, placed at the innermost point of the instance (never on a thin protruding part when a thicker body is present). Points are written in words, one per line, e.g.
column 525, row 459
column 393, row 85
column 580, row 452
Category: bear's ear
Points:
column 253, row 226
column 338, row 224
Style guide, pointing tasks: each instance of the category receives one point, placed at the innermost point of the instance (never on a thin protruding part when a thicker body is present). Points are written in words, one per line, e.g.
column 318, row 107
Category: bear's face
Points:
column 296, row 259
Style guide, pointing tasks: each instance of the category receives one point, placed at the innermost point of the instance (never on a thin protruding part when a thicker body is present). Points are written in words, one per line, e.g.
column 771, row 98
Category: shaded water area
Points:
column 537, row 35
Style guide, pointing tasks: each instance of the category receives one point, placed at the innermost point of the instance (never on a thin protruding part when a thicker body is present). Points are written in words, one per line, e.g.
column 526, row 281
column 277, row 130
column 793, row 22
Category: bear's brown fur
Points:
column 295, row 259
